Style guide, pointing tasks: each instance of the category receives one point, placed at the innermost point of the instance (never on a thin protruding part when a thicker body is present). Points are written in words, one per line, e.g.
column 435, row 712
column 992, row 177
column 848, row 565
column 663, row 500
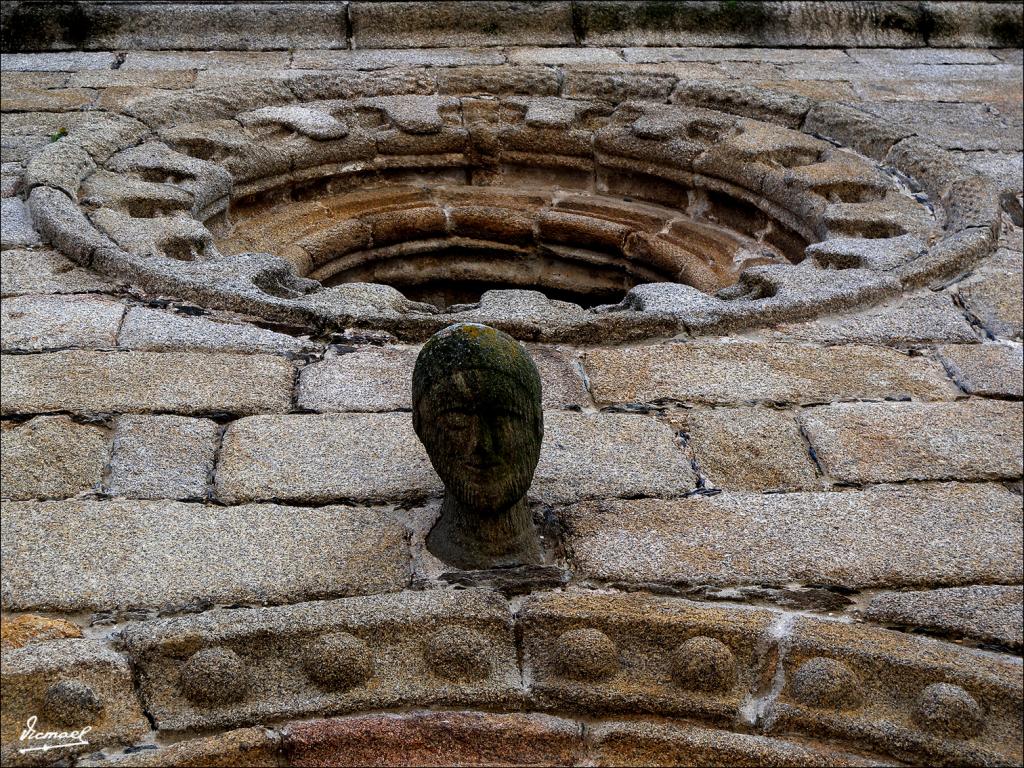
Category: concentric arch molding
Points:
column 256, row 197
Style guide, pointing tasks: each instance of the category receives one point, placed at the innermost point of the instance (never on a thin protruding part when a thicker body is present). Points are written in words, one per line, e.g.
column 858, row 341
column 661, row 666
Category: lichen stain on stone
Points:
column 44, row 26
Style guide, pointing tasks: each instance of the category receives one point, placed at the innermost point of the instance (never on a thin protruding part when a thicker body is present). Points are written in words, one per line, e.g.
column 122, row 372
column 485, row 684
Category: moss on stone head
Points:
column 471, row 346
column 477, row 410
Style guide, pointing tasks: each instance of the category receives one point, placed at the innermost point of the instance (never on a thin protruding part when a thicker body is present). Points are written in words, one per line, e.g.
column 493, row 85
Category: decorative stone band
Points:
column 174, row 197
column 67, row 685
column 581, row 652
column 229, row 667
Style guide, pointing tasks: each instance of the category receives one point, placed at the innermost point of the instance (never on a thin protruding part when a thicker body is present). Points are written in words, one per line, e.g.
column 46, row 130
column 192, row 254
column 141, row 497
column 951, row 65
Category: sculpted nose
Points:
column 484, row 441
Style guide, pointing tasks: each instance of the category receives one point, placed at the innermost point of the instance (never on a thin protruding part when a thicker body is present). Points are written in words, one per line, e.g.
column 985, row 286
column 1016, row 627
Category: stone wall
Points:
column 777, row 528
column 104, row 25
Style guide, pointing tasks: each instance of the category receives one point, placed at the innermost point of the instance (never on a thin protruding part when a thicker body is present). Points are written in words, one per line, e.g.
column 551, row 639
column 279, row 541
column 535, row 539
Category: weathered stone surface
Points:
column 755, row 449
column 61, row 165
column 988, row 614
column 994, row 294
column 96, row 555
column 283, row 457
column 379, row 379
column 619, row 652
column 45, row 271
column 617, row 86
column 437, row 738
column 854, row 128
column 98, row 133
column 743, row 99
column 954, row 254
column 460, row 623
column 245, row 61
column 46, row 100
column 56, row 99
column 18, row 149
column 41, row 125
column 162, row 457
column 15, row 81
column 454, row 24
column 831, row 25
column 19, row 631
column 742, row 372
column 347, row 83
column 1004, row 169
column 144, row 382
column 571, row 56
column 953, row 126
column 930, row 317
column 377, row 456
column 64, row 226
column 522, row 312
column 925, row 71
column 533, row 81
column 151, row 330
column 371, row 379
column 891, row 442
column 396, row 57
column 561, row 376
column 131, row 79
column 892, row 536
column 248, row 747
column 639, row 743
column 912, row 89
column 941, row 704
column 887, row 56
column 878, row 688
column 209, row 103
column 970, row 24
column 10, row 178
column 65, row 61
column 39, row 323
column 31, row 673
column 126, row 194
column 183, row 26
column 604, row 455
column 52, row 457
column 654, row 55
column 985, row 369
column 16, row 230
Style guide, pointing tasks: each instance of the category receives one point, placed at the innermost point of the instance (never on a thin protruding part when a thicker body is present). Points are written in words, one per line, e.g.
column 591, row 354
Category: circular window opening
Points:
column 456, row 275
column 447, row 245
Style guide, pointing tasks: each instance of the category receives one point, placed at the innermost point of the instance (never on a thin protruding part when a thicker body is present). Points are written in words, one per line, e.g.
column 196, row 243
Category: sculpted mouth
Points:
column 482, row 467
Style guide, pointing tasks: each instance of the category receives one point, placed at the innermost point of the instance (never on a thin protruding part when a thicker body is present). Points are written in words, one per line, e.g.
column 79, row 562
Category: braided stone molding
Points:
column 726, row 208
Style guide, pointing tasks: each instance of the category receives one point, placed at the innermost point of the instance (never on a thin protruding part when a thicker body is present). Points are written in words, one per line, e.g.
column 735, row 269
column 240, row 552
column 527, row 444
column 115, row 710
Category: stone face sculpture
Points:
column 477, row 410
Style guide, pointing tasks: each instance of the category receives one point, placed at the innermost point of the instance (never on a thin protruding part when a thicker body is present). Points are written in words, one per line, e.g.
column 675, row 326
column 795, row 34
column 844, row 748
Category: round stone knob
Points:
column 214, row 676
column 71, row 703
column 827, row 684
column 459, row 654
column 948, row 710
column 587, row 654
column 338, row 661
column 703, row 664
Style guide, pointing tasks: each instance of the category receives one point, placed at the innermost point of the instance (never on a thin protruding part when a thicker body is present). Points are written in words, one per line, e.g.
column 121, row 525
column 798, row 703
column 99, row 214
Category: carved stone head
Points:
column 477, row 409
